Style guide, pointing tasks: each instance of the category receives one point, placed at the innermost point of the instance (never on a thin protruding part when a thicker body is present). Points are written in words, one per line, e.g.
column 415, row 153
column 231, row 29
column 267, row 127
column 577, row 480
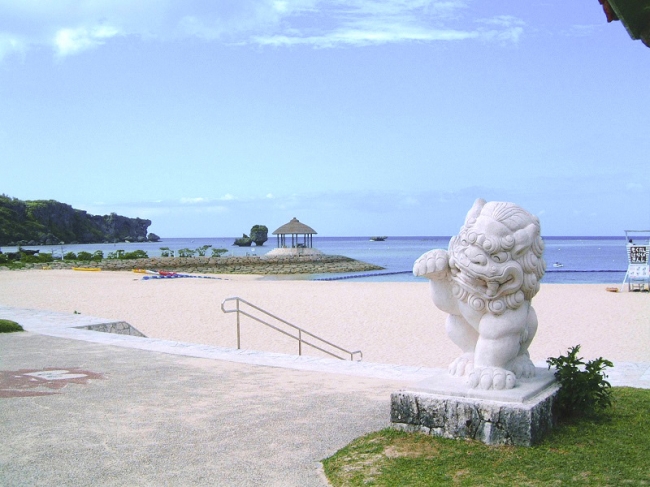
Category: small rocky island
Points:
column 49, row 222
column 259, row 235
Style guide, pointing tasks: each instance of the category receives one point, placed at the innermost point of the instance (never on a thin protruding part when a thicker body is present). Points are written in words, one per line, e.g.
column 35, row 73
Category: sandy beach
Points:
column 390, row 322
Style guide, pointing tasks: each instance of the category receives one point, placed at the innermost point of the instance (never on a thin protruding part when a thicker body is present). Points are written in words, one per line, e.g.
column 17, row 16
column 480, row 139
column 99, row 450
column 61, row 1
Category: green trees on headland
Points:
column 48, row 222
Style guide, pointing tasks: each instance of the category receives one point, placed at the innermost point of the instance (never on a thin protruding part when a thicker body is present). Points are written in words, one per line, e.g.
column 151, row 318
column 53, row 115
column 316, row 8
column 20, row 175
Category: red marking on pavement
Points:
column 35, row 382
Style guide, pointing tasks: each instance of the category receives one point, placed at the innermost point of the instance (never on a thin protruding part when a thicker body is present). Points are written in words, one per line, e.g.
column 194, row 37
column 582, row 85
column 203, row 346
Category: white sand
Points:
column 390, row 322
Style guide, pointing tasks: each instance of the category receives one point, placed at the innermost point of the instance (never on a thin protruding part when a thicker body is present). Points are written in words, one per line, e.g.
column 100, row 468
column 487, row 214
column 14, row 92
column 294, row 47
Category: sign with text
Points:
column 638, row 254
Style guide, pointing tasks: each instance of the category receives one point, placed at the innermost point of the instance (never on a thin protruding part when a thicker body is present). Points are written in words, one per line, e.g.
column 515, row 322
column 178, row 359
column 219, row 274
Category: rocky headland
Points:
column 49, row 222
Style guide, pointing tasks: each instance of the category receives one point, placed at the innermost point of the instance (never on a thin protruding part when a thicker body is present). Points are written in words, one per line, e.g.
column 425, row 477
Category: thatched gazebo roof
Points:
column 295, row 228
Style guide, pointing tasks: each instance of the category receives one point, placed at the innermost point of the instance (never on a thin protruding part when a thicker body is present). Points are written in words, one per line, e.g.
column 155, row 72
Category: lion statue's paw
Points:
column 522, row 366
column 432, row 265
column 463, row 365
column 491, row 378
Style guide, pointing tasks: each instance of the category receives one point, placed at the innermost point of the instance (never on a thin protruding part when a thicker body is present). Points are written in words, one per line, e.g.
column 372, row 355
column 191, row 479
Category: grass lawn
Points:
column 613, row 450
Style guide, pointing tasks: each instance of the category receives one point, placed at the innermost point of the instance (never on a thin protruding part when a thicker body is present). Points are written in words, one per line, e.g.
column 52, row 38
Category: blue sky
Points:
column 358, row 117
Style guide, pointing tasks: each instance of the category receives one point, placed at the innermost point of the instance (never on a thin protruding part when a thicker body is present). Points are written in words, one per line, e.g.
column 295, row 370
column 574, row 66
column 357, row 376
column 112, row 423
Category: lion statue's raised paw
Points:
column 486, row 281
column 432, row 265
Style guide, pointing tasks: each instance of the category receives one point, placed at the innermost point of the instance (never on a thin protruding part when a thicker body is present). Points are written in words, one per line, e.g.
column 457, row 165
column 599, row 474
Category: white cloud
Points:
column 502, row 28
column 70, row 27
column 192, row 201
column 72, row 41
column 11, row 44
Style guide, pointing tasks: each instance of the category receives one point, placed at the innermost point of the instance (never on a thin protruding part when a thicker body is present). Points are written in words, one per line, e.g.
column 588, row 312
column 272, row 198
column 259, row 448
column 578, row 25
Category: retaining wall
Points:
column 304, row 264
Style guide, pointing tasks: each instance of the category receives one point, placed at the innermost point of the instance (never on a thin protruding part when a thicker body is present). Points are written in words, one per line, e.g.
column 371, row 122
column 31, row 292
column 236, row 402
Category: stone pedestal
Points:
column 444, row 406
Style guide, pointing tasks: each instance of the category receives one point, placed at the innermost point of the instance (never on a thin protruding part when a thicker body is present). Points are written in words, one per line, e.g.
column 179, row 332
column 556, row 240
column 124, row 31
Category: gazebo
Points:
column 295, row 229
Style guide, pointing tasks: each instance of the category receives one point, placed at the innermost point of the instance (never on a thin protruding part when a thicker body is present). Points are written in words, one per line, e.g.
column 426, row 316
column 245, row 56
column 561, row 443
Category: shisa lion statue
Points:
column 486, row 281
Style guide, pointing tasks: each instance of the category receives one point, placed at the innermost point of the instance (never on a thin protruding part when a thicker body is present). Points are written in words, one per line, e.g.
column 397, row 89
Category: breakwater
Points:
column 306, row 264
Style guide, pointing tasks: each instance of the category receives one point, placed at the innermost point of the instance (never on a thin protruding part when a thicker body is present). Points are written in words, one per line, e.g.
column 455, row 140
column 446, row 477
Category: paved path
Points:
column 80, row 407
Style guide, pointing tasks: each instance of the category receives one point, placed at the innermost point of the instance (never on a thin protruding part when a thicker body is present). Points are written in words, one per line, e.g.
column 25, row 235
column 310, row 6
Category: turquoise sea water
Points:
column 583, row 259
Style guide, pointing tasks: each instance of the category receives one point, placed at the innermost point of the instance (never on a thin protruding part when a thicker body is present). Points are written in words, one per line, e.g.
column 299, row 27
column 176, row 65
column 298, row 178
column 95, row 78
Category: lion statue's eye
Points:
column 500, row 257
column 488, row 245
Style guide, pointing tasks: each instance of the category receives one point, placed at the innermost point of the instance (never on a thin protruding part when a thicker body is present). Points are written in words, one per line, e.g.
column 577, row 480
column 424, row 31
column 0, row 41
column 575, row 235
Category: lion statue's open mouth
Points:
column 508, row 280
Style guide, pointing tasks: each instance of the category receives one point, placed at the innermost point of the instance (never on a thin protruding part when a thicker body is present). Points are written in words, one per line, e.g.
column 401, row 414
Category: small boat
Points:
column 378, row 239
column 558, row 264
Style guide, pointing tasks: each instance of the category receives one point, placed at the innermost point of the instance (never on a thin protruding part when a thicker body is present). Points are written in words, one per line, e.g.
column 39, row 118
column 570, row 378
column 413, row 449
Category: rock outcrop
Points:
column 259, row 234
column 48, row 222
column 244, row 241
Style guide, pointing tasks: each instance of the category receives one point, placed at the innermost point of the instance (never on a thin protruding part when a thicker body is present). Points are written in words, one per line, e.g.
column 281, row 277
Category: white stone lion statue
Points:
column 486, row 281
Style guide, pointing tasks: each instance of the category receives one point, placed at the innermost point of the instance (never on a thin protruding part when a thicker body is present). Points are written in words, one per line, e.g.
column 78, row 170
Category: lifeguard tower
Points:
column 637, row 276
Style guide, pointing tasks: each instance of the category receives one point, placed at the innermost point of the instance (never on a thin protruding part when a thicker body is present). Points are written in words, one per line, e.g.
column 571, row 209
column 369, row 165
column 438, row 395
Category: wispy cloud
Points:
column 70, row 27
column 72, row 41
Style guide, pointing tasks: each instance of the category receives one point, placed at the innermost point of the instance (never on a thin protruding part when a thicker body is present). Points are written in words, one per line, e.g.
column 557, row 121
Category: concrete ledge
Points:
column 491, row 421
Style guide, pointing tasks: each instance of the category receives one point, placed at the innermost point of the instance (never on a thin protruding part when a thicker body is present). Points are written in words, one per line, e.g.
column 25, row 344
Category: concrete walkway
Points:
column 81, row 407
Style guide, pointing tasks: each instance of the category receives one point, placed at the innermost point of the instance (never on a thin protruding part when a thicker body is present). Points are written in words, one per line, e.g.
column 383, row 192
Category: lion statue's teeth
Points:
column 492, row 288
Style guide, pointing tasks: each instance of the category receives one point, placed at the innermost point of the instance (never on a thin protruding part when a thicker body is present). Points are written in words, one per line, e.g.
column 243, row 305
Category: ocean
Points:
column 583, row 259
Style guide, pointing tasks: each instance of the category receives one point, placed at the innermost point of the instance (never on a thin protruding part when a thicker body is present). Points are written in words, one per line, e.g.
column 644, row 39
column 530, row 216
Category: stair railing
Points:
column 301, row 336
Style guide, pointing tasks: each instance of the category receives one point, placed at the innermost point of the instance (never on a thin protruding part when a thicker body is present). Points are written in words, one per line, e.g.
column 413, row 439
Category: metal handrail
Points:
column 320, row 341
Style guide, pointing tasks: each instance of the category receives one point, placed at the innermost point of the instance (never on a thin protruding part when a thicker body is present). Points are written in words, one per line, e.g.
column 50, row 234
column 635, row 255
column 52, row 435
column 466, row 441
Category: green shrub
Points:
column 36, row 258
column 136, row 254
column 8, row 326
column 98, row 255
column 118, row 254
column 28, row 259
column 186, row 253
column 45, row 257
column 201, row 250
column 4, row 259
column 166, row 252
column 83, row 255
column 218, row 252
column 583, row 388
column 69, row 256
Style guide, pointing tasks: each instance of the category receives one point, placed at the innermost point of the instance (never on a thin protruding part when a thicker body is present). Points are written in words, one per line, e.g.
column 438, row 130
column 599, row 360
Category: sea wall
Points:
column 311, row 264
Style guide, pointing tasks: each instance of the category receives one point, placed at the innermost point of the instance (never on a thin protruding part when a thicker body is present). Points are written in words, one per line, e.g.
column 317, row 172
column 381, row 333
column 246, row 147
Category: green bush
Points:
column 583, row 388
column 120, row 254
column 136, row 254
column 186, row 253
column 8, row 326
column 36, row 258
column 166, row 252
column 69, row 256
column 29, row 259
column 45, row 257
column 4, row 259
column 218, row 252
column 83, row 255
column 98, row 255
column 201, row 250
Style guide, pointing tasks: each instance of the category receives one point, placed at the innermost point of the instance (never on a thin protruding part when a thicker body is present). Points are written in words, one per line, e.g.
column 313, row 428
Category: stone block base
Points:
column 490, row 420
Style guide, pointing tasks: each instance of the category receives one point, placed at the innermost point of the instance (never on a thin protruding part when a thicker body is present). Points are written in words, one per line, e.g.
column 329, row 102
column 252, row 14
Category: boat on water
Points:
column 378, row 239
column 558, row 264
